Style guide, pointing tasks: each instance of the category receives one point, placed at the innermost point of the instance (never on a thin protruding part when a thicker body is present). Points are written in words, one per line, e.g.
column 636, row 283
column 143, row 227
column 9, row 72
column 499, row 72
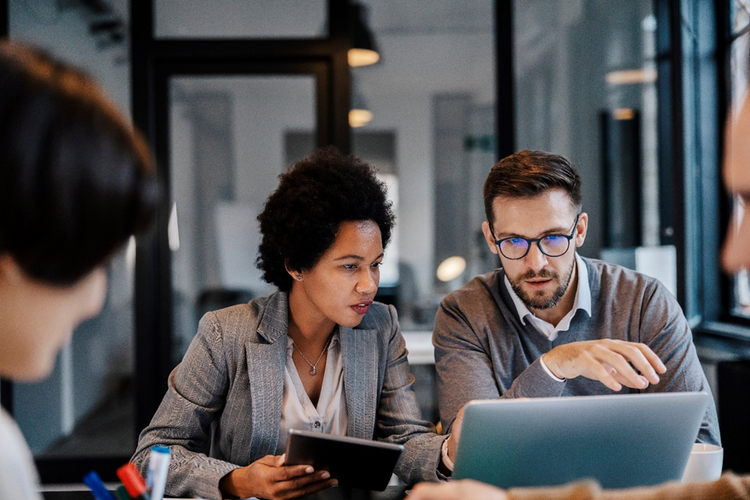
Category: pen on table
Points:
column 95, row 484
column 158, row 465
column 122, row 493
column 133, row 481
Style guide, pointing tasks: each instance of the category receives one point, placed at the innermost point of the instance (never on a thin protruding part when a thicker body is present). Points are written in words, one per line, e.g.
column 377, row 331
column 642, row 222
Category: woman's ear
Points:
column 296, row 275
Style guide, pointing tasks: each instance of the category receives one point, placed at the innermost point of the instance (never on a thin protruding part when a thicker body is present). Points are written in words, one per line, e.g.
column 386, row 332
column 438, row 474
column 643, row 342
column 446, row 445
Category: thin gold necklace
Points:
column 313, row 367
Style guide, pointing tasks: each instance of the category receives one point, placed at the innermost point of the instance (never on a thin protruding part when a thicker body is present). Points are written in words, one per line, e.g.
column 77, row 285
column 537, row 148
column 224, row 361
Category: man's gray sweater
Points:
column 484, row 351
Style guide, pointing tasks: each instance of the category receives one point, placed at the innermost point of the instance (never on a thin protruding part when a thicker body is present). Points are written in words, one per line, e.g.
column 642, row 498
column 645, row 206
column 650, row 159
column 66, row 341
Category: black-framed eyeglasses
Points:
column 552, row 245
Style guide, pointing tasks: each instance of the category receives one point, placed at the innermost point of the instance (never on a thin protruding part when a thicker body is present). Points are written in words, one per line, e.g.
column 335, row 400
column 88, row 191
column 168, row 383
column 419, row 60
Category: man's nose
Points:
column 535, row 259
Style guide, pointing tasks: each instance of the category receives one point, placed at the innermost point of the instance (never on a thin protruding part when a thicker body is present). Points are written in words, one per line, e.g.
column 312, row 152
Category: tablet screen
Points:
column 354, row 462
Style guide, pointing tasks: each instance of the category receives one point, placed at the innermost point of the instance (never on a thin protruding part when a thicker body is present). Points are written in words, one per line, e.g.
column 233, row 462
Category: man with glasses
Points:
column 550, row 323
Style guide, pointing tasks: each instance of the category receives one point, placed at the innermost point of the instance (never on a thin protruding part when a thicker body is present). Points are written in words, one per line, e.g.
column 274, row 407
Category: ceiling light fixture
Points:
column 363, row 50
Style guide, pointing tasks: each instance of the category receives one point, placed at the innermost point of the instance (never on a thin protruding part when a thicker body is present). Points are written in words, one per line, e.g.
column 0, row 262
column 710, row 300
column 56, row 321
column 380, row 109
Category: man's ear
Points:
column 581, row 229
column 489, row 238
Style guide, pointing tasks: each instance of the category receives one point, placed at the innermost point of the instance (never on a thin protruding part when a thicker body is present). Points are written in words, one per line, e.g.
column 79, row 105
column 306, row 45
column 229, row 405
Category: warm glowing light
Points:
column 629, row 76
column 362, row 57
column 451, row 268
column 623, row 114
column 359, row 117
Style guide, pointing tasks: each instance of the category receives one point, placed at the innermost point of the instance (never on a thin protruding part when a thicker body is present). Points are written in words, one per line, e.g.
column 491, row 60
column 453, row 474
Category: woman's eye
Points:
column 350, row 267
column 377, row 264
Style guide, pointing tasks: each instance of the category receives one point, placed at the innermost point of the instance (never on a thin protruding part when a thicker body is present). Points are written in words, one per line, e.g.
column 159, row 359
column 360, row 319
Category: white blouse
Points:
column 298, row 412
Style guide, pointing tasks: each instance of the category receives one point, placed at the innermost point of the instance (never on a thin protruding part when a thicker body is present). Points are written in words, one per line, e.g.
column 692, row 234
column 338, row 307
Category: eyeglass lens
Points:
column 553, row 246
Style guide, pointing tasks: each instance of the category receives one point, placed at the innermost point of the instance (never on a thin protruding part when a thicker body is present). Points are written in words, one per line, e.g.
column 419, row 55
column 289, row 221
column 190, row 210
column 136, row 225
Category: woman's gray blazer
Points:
column 222, row 409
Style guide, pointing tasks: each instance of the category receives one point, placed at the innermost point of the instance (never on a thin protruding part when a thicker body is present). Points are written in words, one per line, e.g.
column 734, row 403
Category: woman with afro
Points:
column 318, row 355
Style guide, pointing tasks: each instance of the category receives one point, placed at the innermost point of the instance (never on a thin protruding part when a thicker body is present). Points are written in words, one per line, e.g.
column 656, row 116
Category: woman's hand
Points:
column 269, row 478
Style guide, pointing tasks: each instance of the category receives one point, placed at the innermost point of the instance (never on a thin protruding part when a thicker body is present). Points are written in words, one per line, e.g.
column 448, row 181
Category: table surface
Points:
column 390, row 493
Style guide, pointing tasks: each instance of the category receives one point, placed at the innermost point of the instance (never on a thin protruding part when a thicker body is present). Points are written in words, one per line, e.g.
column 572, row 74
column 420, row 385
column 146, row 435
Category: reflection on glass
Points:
column 231, row 137
column 241, row 19
column 432, row 99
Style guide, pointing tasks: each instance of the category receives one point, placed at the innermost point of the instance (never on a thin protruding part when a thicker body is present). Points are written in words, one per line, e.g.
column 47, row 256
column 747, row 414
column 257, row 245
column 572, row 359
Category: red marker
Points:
column 133, row 481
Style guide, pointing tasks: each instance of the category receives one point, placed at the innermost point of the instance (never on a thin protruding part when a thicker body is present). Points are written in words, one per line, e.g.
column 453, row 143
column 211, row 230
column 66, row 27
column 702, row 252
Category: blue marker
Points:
column 95, row 484
column 158, row 466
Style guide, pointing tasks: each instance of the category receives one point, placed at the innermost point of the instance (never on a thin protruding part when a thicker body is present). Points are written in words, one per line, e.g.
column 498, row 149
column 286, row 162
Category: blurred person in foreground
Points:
column 76, row 181
column 736, row 256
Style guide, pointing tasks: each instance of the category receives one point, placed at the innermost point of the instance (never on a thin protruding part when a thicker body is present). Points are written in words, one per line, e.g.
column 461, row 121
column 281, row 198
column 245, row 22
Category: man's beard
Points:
column 538, row 300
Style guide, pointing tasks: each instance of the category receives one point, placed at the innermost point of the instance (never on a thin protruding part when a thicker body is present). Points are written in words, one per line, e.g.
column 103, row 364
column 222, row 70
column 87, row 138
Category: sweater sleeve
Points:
column 465, row 367
column 665, row 329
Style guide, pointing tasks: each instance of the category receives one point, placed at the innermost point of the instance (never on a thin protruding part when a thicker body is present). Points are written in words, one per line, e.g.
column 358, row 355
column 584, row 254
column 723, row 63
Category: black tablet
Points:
column 358, row 463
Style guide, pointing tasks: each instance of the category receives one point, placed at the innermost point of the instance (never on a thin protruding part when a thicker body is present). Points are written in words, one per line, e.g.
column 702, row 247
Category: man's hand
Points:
column 270, row 478
column 608, row 361
column 464, row 489
column 455, row 435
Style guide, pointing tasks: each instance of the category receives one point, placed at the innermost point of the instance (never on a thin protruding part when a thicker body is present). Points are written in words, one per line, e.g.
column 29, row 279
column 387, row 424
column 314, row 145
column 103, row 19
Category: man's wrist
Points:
column 549, row 372
column 446, row 459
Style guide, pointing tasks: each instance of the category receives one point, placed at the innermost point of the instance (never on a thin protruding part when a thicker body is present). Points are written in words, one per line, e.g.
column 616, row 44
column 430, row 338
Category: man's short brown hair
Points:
column 530, row 173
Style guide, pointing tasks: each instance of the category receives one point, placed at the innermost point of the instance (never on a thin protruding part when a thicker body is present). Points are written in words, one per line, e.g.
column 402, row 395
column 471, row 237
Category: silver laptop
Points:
column 620, row 440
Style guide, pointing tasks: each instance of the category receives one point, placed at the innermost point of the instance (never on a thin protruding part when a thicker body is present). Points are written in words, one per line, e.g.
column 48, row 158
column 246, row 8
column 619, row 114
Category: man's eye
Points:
column 554, row 239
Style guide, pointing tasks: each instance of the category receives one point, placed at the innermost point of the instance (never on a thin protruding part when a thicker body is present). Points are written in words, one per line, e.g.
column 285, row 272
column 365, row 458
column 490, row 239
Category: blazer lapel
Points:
column 359, row 350
column 266, row 360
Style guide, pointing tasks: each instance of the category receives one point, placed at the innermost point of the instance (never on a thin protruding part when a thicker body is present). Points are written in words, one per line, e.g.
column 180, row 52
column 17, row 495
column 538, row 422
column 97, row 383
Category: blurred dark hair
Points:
column 75, row 179
column 530, row 173
column 301, row 218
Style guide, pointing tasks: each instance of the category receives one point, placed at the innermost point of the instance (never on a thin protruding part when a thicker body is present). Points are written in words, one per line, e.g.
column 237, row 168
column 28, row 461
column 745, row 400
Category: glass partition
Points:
column 585, row 87
column 241, row 19
column 230, row 138
column 431, row 132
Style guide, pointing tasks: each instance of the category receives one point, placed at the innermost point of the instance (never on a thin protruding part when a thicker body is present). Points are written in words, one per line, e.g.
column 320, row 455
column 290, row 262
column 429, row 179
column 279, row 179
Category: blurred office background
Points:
column 232, row 92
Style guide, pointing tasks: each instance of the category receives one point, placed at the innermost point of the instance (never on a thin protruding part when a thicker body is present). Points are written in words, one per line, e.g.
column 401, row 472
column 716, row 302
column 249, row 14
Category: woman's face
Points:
column 341, row 287
column 37, row 319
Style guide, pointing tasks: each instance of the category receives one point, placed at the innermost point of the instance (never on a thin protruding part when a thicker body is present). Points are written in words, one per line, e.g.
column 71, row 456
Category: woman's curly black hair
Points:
column 300, row 220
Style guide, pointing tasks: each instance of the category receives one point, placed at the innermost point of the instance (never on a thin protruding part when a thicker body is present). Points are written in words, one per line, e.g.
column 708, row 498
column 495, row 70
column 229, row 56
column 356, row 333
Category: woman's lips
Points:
column 361, row 307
